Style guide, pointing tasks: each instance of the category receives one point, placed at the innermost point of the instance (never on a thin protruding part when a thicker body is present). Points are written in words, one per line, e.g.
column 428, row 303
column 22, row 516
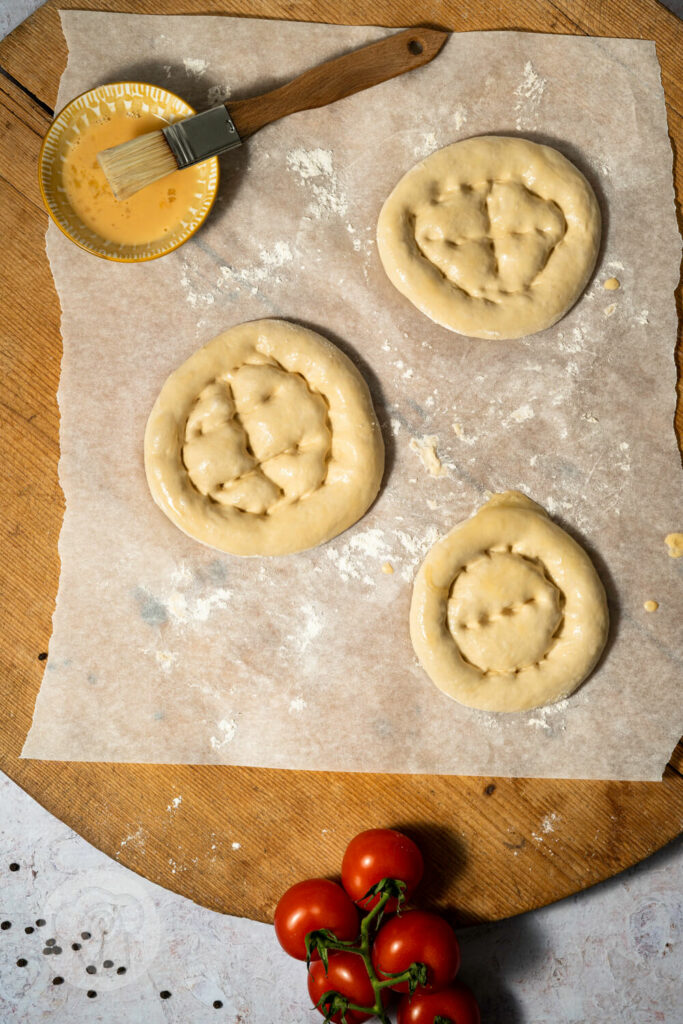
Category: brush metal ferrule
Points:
column 201, row 136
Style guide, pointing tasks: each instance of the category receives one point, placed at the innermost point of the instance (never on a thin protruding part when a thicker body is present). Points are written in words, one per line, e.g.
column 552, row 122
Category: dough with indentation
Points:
column 491, row 237
column 264, row 442
column 508, row 612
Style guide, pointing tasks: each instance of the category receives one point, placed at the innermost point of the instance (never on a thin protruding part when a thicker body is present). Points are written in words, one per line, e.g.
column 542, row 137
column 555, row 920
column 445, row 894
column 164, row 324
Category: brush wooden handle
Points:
column 338, row 78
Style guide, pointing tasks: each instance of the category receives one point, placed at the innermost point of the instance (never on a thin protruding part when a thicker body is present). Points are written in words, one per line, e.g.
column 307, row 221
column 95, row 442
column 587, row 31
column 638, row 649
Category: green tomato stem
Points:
column 363, row 950
column 365, row 926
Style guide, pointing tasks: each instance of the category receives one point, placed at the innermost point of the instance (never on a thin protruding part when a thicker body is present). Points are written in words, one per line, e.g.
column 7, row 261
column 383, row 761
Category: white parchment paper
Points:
column 166, row 651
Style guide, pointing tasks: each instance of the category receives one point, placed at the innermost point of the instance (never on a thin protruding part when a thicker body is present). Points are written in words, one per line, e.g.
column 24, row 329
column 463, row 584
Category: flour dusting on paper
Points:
column 315, row 170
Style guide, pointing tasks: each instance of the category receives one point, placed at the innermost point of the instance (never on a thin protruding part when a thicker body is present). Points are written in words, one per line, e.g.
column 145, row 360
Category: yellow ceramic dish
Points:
column 144, row 107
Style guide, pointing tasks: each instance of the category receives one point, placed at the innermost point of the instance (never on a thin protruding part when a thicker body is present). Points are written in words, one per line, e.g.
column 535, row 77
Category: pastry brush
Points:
column 135, row 164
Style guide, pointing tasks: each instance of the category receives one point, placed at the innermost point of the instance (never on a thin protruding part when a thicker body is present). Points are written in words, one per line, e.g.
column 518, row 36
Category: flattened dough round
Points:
column 264, row 442
column 491, row 237
column 508, row 612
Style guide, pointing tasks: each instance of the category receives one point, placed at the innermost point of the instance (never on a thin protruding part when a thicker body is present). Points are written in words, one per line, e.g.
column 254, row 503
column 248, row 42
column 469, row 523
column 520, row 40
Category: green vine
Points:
column 323, row 942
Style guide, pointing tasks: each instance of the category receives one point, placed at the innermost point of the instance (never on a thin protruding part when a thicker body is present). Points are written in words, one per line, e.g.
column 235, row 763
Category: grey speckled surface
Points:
column 612, row 954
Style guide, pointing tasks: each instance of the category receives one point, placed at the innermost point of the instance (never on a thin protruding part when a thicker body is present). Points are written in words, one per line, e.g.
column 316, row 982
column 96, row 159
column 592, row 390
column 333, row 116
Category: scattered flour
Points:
column 316, row 173
column 197, row 609
column 524, row 412
column 195, row 66
column 297, row 705
column 166, row 659
column 236, row 846
column 427, row 144
column 546, row 718
column 194, row 294
column 547, row 826
column 216, row 94
column 310, row 623
column 351, row 561
column 459, row 117
column 228, row 728
column 529, row 94
column 415, row 548
column 136, row 839
column 174, row 804
column 573, row 344
column 270, row 260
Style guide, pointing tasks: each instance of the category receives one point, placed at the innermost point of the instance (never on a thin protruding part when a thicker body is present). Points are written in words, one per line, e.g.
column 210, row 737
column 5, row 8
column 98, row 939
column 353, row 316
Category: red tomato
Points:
column 347, row 975
column 456, row 1004
column 417, row 937
column 311, row 905
column 376, row 854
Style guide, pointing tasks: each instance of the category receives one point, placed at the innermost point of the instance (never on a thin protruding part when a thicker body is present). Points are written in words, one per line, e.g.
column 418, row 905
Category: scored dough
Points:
column 491, row 237
column 264, row 442
column 508, row 612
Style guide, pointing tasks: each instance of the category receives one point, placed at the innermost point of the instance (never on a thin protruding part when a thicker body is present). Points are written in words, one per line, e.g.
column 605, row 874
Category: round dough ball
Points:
column 508, row 612
column 264, row 442
column 491, row 237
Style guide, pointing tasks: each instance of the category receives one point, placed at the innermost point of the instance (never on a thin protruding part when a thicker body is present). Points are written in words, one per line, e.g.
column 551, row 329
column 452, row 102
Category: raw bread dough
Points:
column 491, row 237
column 508, row 612
column 264, row 442
column 674, row 542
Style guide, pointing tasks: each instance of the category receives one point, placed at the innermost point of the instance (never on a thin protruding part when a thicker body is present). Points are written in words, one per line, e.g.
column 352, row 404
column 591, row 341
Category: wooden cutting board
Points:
column 237, row 837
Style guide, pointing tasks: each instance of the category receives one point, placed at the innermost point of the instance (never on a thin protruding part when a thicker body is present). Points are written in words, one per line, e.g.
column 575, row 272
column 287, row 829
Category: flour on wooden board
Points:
column 547, row 826
column 136, row 840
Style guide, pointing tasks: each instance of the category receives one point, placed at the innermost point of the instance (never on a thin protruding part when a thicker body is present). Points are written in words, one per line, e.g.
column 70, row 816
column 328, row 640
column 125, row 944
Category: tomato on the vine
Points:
column 310, row 906
column 417, row 937
column 376, row 854
column 347, row 975
column 455, row 1004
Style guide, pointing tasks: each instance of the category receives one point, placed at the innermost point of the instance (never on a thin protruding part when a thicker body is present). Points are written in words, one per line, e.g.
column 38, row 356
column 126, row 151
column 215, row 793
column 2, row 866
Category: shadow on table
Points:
column 496, row 955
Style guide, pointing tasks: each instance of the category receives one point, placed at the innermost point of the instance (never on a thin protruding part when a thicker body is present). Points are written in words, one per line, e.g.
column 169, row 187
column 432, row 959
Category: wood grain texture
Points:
column 335, row 79
column 488, row 842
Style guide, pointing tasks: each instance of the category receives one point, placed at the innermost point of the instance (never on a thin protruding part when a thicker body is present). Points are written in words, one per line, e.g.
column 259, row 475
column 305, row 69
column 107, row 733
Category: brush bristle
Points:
column 135, row 164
